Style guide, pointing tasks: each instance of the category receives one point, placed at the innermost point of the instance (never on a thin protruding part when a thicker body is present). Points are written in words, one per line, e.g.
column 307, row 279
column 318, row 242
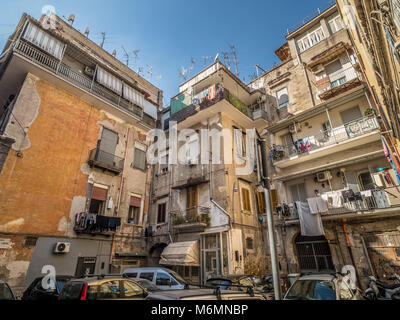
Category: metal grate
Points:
column 314, row 254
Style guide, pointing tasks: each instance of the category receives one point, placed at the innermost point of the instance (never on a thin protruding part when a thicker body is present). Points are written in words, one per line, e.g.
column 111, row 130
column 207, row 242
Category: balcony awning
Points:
column 329, row 54
column 181, row 254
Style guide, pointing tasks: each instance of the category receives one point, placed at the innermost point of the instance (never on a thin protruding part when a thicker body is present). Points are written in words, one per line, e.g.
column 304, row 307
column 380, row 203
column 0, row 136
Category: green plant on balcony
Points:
column 369, row 112
column 238, row 104
column 205, row 218
column 178, row 220
column 277, row 153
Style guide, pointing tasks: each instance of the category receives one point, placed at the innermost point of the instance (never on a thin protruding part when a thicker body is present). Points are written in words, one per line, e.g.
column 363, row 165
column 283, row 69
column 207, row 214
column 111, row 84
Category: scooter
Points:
column 379, row 290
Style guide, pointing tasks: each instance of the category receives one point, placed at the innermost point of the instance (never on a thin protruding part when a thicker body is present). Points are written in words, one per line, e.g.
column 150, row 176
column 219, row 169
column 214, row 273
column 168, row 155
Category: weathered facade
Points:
column 208, row 206
column 335, row 193
column 73, row 155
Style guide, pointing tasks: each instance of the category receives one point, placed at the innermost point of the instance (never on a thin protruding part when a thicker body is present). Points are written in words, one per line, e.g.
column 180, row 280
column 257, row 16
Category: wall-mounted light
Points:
column 235, row 188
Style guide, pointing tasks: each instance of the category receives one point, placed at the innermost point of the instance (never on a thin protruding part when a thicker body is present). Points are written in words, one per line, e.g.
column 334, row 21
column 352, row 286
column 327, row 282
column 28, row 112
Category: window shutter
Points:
column 99, row 194
column 136, row 202
column 108, row 80
column 238, row 142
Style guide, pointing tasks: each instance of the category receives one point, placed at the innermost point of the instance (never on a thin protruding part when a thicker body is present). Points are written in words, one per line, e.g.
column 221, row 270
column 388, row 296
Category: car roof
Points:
column 146, row 269
column 323, row 277
column 179, row 294
column 94, row 280
column 229, row 277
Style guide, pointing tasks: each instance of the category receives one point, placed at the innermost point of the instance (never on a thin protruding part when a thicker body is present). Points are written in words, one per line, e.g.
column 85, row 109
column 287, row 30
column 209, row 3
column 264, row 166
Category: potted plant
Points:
column 277, row 153
column 369, row 112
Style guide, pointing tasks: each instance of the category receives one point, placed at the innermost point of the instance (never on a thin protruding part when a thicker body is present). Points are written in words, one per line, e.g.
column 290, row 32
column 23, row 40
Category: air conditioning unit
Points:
column 89, row 71
column 295, row 128
column 324, row 176
column 62, row 247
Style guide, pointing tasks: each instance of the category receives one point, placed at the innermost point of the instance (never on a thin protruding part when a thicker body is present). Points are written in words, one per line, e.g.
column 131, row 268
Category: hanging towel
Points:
column 212, row 92
column 317, row 205
column 311, row 225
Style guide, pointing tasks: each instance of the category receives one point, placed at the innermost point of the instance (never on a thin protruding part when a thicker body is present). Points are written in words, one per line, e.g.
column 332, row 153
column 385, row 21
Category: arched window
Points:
column 314, row 254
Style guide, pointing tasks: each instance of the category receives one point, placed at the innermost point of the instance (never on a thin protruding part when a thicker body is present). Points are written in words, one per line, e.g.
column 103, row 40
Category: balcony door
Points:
column 107, row 146
column 351, row 115
column 192, row 202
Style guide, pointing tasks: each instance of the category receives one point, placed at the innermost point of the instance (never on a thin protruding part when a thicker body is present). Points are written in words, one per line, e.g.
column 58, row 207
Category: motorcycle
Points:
column 379, row 290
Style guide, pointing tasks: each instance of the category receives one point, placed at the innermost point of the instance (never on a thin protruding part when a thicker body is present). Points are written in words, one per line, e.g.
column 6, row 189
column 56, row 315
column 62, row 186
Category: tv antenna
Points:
column 86, row 32
column 183, row 73
column 140, row 71
column 192, row 63
column 71, row 19
column 126, row 56
column 103, row 39
column 150, row 71
column 227, row 59
column 136, row 55
column 159, row 77
column 233, row 51
column 205, row 59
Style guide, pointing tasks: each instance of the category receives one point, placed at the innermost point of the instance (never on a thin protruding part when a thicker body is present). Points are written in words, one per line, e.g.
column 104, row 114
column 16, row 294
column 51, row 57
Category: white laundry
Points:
column 311, row 224
column 317, row 205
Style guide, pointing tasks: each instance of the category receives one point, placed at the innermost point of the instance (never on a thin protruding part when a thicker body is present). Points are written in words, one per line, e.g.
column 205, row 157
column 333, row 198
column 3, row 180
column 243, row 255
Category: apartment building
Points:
column 74, row 180
column 206, row 218
column 334, row 189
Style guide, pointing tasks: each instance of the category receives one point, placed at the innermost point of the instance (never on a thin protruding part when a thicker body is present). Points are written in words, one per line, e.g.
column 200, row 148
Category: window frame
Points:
column 245, row 200
column 139, row 147
column 279, row 94
column 164, row 214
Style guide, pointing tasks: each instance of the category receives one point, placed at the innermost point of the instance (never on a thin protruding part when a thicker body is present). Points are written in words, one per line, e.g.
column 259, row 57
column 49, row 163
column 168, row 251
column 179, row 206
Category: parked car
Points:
column 261, row 285
column 36, row 291
column 203, row 294
column 322, row 287
column 6, row 292
column 103, row 288
column 148, row 285
column 164, row 279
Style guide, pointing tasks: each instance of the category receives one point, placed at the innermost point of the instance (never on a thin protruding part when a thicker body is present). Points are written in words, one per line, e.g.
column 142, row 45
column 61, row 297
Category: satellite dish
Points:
column 86, row 32
column 350, row 277
column 216, row 58
column 71, row 19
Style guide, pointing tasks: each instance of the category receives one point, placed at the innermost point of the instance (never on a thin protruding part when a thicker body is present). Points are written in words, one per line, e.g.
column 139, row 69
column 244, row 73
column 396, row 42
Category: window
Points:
column 336, row 24
column 283, row 98
column 240, row 142
column 326, row 127
column 192, row 200
column 311, row 39
column 162, row 213
column 163, row 279
column 261, row 202
column 366, row 181
column 246, row 200
column 298, row 192
column 139, row 161
column 164, row 164
column 98, row 200
column 147, row 275
column 131, row 290
column 249, row 243
column 109, row 290
column 193, row 150
column 107, row 146
column 134, row 210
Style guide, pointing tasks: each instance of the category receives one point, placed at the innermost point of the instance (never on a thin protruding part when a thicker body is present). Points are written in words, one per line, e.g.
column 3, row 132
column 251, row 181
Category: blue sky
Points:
column 169, row 33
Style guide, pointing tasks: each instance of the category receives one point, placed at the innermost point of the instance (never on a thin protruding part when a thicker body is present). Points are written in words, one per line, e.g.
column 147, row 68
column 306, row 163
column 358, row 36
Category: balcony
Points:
column 88, row 223
column 341, row 138
column 106, row 161
column 185, row 106
column 338, row 82
column 192, row 220
column 78, row 79
column 347, row 202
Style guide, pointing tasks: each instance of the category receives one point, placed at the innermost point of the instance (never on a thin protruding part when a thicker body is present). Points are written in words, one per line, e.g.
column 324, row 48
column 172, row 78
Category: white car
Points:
column 163, row 278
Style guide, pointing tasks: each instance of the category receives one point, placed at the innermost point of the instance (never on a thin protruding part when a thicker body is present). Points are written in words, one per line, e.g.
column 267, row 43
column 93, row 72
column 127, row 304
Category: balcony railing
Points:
column 96, row 224
column 190, row 217
column 339, row 80
column 350, row 202
column 107, row 161
column 187, row 106
column 325, row 139
column 76, row 78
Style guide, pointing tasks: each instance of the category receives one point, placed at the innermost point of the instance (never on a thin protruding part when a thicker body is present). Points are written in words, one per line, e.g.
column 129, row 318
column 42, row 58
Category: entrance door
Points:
column 85, row 266
column 314, row 254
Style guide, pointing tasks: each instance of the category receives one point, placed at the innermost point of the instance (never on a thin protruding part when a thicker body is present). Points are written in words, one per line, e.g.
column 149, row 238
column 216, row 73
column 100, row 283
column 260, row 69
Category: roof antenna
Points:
column 233, row 50
column 86, row 32
column 136, row 55
column 71, row 19
column 103, row 37
column 126, row 56
column 216, row 57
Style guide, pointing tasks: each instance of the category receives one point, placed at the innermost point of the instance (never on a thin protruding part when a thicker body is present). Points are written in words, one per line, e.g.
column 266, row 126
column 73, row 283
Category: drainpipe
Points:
column 119, row 197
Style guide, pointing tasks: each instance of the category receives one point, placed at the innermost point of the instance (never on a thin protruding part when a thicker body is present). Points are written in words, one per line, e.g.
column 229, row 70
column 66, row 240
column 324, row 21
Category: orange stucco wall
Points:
column 40, row 186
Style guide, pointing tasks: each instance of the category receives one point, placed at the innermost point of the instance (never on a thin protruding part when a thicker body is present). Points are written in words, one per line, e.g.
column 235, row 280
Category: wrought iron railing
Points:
column 350, row 201
column 106, row 160
column 84, row 82
column 324, row 139
column 191, row 216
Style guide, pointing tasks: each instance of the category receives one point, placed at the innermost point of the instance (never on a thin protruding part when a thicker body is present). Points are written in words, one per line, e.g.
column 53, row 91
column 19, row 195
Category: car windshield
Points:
column 177, row 277
column 149, row 286
column 312, row 290
column 5, row 292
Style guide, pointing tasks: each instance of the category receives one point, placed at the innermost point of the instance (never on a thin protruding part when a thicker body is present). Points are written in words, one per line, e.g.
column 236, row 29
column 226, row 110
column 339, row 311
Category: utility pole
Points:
column 263, row 178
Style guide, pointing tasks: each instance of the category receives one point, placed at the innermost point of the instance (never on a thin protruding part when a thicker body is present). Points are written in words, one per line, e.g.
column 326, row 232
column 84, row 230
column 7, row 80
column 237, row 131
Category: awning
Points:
column 181, row 254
